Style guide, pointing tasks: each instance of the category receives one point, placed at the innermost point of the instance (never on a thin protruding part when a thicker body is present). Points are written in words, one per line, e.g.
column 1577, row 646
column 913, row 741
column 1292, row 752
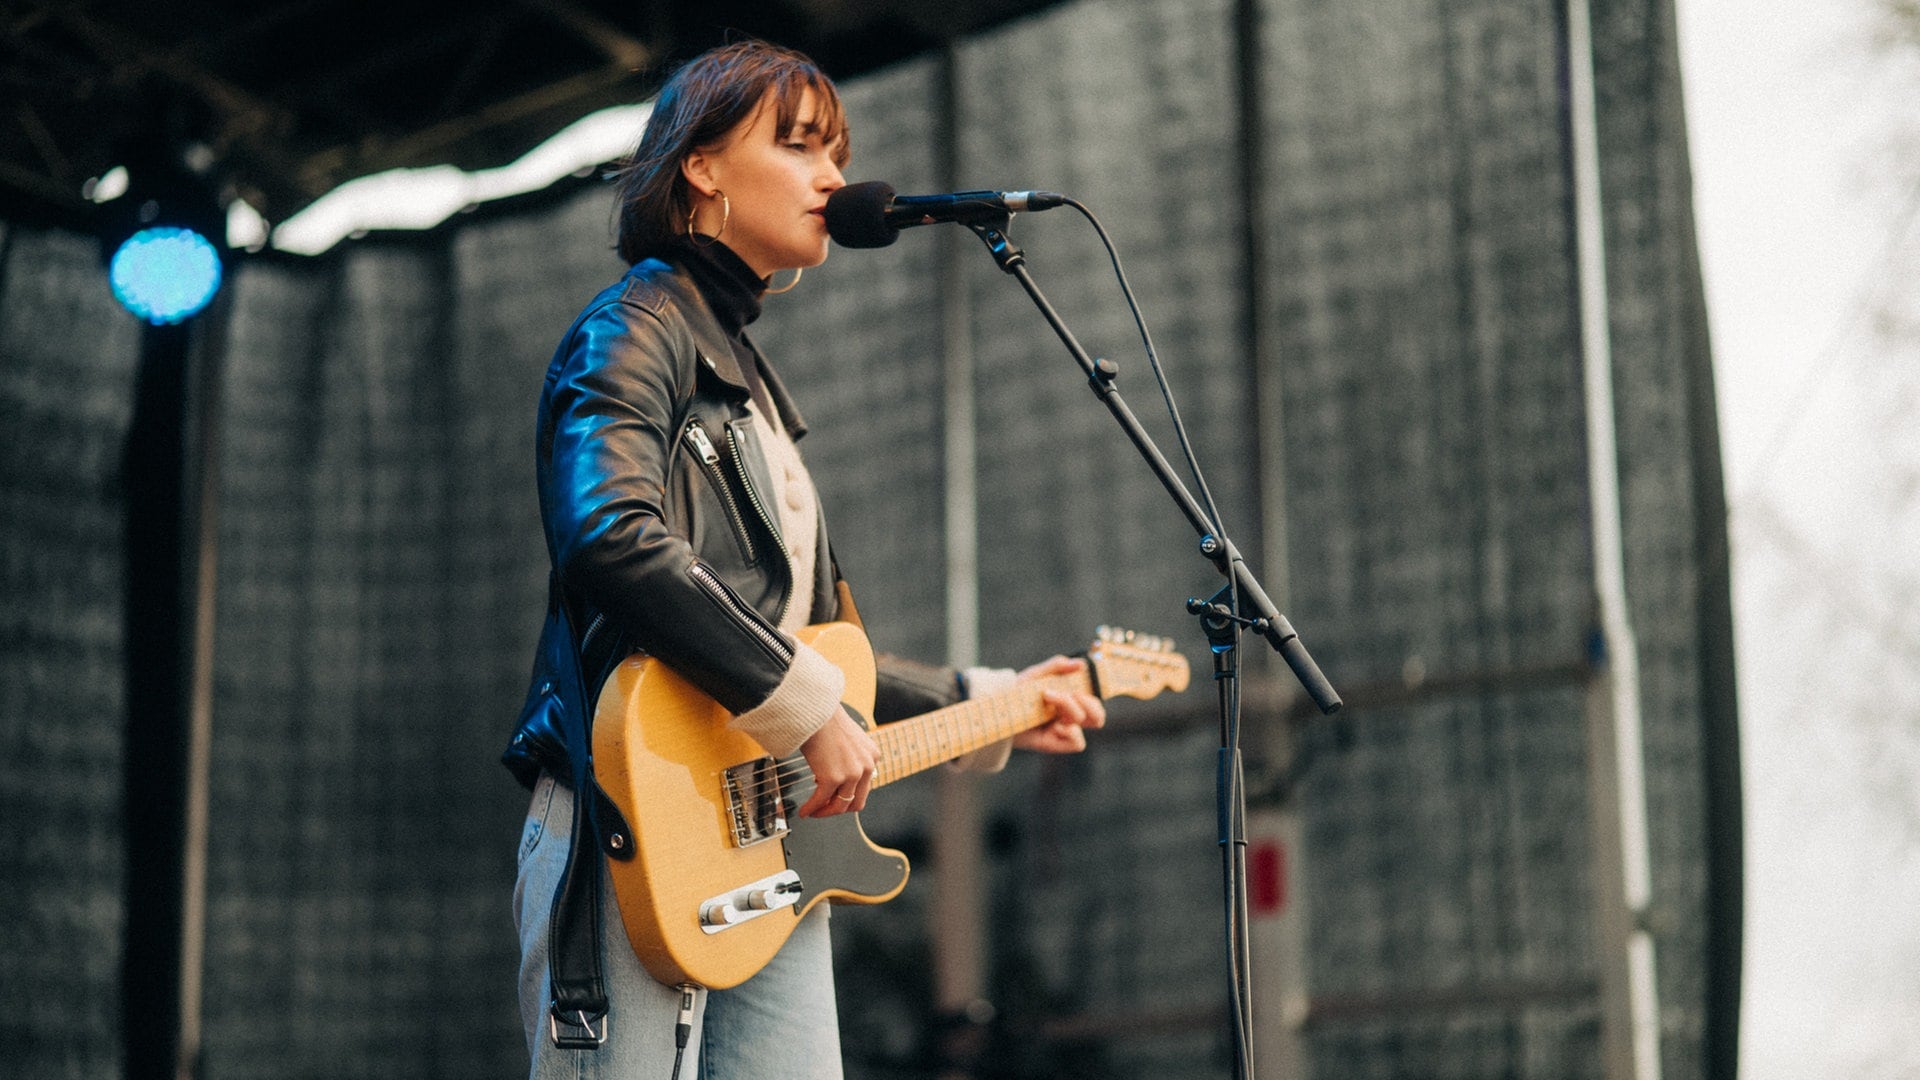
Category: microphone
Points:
column 870, row 215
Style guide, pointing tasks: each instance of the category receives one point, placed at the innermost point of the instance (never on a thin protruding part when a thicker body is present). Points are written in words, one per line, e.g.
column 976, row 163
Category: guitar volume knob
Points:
column 724, row 914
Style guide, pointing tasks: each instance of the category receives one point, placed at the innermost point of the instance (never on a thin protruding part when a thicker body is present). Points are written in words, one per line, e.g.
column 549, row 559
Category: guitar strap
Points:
column 577, row 1004
column 577, row 1009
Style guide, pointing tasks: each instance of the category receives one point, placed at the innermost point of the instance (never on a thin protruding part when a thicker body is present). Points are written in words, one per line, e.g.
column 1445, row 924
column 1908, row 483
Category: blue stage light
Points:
column 165, row 275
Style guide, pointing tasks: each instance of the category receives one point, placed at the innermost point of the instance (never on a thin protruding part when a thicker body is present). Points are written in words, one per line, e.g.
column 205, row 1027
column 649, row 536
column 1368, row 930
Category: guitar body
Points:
column 666, row 757
column 719, row 871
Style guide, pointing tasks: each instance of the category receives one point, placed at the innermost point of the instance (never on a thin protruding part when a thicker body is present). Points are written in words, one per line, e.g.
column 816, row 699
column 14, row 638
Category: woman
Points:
column 663, row 434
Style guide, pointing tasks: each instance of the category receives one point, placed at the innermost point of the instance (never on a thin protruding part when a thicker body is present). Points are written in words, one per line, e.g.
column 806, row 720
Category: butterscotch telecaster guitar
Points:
column 721, row 870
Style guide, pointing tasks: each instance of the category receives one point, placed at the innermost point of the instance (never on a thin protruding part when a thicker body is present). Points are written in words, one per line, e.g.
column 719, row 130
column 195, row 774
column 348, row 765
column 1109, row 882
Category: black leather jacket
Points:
column 652, row 491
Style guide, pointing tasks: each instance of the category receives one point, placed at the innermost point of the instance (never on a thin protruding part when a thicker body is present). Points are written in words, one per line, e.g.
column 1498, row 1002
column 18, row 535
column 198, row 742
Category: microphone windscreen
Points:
column 857, row 215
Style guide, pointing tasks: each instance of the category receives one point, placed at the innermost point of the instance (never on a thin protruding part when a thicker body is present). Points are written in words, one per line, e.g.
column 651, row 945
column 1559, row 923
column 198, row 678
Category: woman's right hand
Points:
column 842, row 756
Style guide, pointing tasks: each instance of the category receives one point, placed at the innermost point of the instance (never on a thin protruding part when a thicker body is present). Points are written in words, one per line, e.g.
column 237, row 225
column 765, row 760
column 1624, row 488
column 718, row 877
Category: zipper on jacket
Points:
column 586, row 639
column 710, row 463
column 590, row 666
column 760, row 508
column 749, row 619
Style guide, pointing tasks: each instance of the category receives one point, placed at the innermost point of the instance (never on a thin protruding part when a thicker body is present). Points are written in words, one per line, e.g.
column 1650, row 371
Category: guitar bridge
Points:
column 756, row 805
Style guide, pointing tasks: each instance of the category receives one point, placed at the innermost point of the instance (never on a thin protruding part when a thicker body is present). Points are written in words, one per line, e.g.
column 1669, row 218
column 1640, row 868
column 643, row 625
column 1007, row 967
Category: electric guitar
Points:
column 720, row 870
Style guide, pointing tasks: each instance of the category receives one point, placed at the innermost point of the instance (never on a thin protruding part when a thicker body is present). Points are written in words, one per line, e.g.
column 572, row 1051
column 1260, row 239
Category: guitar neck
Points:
column 918, row 744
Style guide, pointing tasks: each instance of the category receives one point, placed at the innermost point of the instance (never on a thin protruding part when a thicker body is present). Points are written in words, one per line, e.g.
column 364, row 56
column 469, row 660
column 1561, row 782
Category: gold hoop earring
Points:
column 788, row 287
column 726, row 215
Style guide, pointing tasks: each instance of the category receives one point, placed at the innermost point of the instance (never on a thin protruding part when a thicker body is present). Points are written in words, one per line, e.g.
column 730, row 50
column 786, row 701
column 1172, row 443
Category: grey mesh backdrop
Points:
column 382, row 579
column 381, row 572
column 1138, row 124
column 67, row 356
column 1420, row 225
column 1419, row 215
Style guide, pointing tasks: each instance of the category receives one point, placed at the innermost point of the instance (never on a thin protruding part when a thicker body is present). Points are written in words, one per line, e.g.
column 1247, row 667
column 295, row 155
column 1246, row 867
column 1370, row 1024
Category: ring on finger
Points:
column 843, row 798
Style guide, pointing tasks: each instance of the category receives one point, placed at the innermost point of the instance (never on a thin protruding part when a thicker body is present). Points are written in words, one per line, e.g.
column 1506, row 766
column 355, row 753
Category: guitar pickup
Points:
column 731, row 908
column 756, row 805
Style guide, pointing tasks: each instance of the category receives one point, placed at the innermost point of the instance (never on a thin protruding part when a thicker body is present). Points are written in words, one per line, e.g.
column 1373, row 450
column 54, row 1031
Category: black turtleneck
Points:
column 730, row 286
column 733, row 291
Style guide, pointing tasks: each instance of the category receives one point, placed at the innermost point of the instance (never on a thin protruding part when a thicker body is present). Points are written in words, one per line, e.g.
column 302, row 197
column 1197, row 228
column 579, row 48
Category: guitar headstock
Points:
column 1135, row 665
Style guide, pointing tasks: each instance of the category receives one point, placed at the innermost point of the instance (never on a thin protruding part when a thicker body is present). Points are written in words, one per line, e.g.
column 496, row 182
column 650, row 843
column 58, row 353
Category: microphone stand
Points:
column 1241, row 604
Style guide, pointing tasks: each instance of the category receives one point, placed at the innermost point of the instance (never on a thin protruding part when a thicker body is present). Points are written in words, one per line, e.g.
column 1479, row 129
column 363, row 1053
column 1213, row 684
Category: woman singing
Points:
column 642, row 496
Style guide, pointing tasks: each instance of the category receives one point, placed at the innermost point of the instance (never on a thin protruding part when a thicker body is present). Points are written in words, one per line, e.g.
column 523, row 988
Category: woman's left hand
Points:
column 1072, row 712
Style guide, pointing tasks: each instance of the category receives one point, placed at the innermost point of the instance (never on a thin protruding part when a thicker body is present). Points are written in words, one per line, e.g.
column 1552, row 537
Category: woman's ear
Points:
column 697, row 167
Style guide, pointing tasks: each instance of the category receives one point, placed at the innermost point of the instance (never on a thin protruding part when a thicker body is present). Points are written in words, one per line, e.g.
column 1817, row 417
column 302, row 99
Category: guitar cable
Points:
column 683, row 1027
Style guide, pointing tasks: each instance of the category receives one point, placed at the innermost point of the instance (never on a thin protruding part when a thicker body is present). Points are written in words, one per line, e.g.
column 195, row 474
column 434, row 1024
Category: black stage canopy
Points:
column 280, row 101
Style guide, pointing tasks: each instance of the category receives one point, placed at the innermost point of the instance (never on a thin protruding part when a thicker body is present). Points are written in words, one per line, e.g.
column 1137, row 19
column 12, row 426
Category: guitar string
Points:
column 911, row 746
column 917, row 747
column 789, row 769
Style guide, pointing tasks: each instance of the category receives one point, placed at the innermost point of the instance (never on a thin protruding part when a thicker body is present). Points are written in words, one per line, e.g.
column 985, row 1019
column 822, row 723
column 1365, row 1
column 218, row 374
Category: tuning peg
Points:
column 1114, row 635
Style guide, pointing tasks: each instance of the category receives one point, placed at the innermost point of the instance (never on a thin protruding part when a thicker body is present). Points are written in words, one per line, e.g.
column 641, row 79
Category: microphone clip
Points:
column 993, row 232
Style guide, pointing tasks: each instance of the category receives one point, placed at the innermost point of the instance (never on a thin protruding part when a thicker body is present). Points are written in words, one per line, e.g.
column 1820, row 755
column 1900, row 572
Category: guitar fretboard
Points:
column 911, row 746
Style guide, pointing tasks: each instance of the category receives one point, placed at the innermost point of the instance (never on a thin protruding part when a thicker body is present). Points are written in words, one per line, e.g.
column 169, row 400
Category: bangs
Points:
column 829, row 120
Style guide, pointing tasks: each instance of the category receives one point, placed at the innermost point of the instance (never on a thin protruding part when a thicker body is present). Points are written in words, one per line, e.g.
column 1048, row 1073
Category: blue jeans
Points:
column 780, row 1023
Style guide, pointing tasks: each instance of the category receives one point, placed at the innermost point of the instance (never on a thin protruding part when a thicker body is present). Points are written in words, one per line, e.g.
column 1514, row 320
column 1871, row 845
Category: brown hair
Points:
column 705, row 99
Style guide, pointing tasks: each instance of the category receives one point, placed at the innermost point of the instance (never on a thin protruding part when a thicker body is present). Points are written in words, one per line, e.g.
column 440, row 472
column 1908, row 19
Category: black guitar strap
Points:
column 577, row 1010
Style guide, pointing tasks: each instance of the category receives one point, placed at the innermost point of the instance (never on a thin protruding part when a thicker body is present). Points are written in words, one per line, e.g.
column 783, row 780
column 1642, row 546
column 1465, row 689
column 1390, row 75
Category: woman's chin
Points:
column 804, row 259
